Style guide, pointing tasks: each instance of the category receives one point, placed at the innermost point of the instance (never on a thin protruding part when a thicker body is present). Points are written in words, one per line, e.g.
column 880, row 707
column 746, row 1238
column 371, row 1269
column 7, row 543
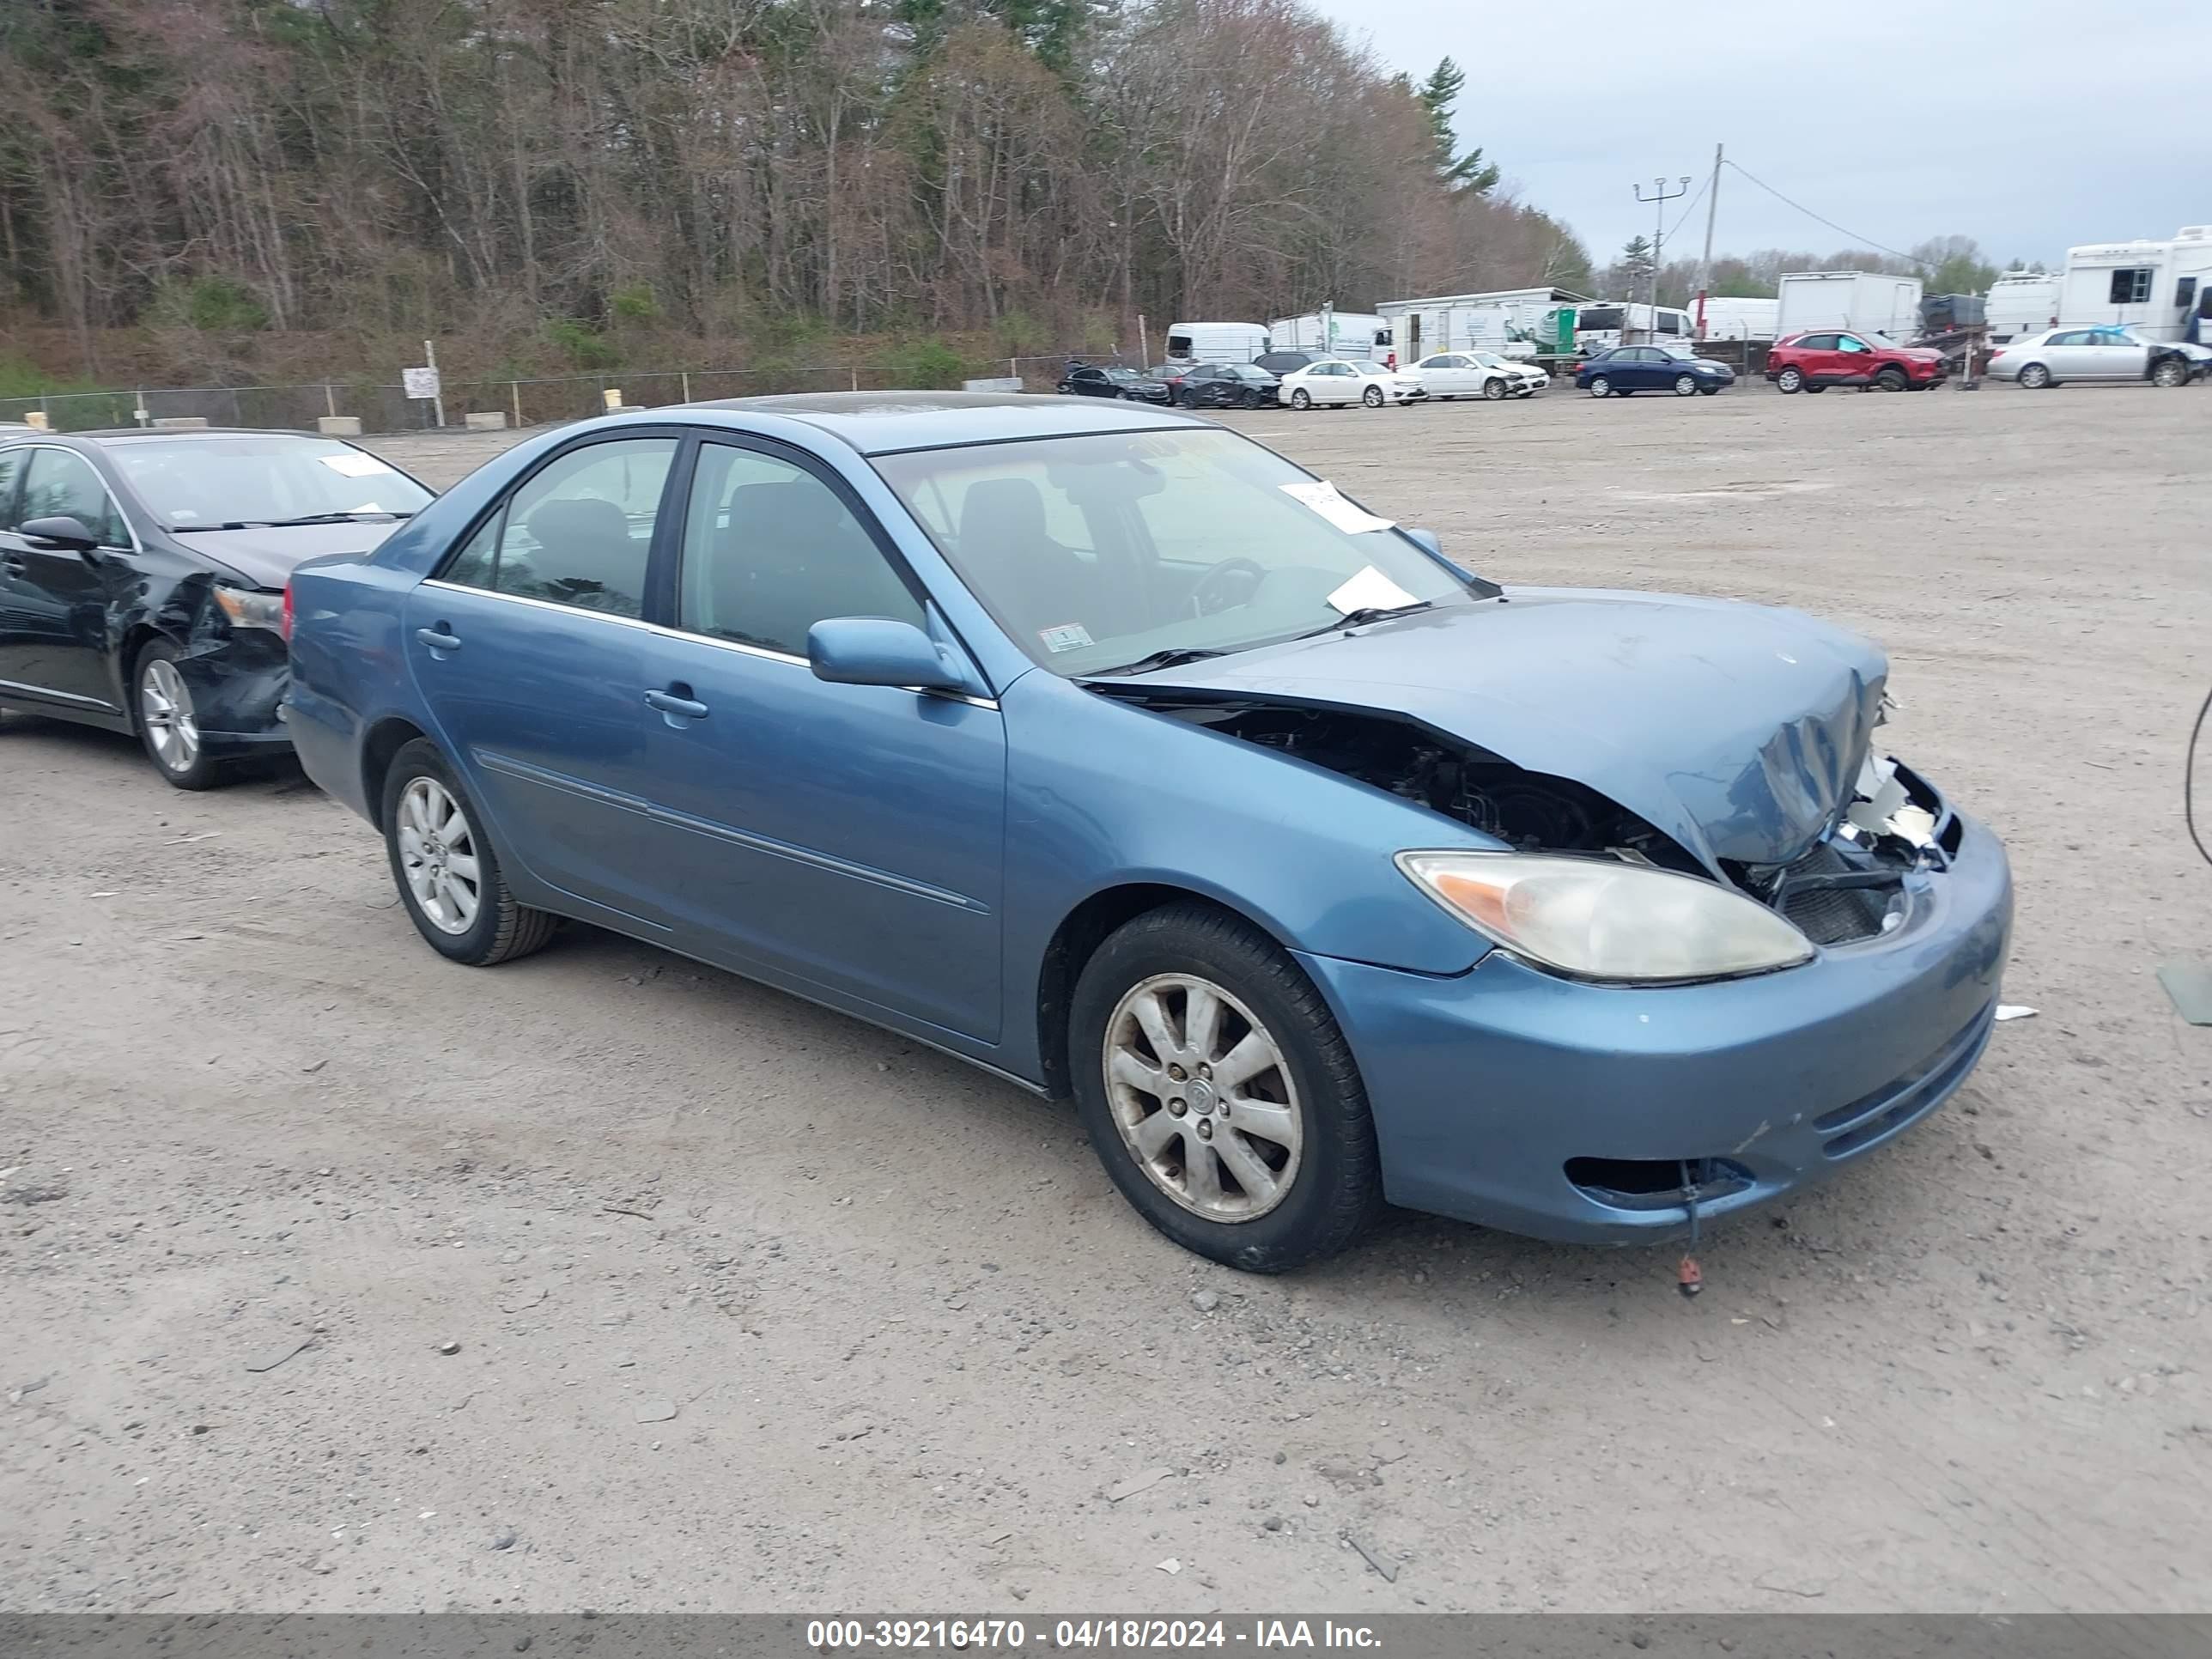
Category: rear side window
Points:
column 59, row 483
column 577, row 532
column 11, row 462
column 1817, row 342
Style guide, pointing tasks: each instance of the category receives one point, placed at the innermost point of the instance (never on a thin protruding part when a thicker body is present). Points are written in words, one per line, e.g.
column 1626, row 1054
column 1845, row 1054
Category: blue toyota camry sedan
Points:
column 1104, row 748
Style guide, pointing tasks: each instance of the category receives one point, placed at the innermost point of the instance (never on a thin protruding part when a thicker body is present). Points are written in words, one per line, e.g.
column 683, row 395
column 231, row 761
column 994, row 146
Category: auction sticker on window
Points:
column 1325, row 499
column 354, row 464
column 1066, row 636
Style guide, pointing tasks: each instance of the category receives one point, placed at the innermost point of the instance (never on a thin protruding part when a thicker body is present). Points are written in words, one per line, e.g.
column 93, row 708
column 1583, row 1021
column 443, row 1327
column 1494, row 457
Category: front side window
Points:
column 770, row 549
column 2131, row 286
column 1095, row 552
column 1849, row 342
column 261, row 478
column 60, row 484
column 11, row 462
column 579, row 531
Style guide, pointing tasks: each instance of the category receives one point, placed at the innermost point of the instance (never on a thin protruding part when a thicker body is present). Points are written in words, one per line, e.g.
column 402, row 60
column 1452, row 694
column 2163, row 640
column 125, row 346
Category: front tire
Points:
column 168, row 724
column 1686, row 385
column 1791, row 380
column 1219, row 1093
column 1891, row 379
column 2169, row 372
column 447, row 874
column 1493, row 389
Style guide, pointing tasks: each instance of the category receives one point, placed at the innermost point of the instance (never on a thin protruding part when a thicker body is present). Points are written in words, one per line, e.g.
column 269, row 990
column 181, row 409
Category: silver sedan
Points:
column 2097, row 353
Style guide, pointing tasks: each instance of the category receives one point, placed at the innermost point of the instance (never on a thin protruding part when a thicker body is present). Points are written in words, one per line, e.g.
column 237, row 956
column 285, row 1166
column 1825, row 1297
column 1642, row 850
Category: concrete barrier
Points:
column 181, row 423
column 339, row 426
column 487, row 420
column 1002, row 383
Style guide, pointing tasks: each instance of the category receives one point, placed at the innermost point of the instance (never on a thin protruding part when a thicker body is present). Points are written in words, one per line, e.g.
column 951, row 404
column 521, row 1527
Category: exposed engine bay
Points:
column 1848, row 886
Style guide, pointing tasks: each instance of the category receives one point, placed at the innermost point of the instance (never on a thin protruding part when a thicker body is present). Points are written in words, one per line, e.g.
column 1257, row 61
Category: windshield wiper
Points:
column 1174, row 657
column 1366, row 613
column 378, row 514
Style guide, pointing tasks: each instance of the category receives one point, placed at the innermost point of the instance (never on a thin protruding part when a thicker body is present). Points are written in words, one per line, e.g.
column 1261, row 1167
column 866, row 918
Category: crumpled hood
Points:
column 1738, row 730
column 266, row 557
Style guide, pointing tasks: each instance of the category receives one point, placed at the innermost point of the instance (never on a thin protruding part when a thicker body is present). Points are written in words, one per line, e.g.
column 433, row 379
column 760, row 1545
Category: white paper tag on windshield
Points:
column 1371, row 590
column 1325, row 499
column 354, row 465
column 1066, row 636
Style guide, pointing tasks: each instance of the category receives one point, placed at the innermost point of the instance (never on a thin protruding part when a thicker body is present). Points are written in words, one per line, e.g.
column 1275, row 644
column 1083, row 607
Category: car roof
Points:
column 125, row 434
column 885, row 422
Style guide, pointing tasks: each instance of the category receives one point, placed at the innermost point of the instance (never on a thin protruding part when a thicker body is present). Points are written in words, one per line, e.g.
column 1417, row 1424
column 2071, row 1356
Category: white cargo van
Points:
column 1216, row 342
column 2021, row 303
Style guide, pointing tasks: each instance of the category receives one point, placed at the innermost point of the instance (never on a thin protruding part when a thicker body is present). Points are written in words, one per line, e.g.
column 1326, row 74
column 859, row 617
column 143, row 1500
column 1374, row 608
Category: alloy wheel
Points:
column 438, row 855
column 165, row 702
column 1203, row 1098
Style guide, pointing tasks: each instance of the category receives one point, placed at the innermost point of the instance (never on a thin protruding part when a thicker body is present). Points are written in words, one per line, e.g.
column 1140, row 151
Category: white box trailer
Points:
column 1848, row 299
column 1514, row 322
column 1730, row 318
column 1358, row 335
column 1613, row 322
column 2021, row 303
column 2156, row 287
column 1215, row 343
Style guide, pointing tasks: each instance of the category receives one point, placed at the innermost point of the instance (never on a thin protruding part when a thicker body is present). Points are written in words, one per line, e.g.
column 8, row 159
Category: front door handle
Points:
column 438, row 641
column 12, row 562
column 675, row 706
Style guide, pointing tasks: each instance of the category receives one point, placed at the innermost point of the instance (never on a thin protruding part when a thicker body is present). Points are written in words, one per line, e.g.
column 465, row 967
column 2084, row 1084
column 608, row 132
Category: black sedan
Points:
column 1228, row 385
column 1096, row 381
column 143, row 575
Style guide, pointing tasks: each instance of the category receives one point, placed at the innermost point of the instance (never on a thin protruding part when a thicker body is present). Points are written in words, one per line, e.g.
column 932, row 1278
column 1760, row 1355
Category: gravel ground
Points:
column 757, row 1308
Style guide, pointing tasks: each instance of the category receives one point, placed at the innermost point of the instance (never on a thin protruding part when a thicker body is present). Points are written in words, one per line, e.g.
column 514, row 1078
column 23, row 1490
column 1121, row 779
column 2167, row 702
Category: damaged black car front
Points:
column 143, row 576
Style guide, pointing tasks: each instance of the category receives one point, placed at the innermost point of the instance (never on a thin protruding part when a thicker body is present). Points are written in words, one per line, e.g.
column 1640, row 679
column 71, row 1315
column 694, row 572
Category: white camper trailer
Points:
column 1848, row 299
column 1514, row 322
column 1216, row 342
column 2021, row 303
column 1356, row 336
column 2153, row 287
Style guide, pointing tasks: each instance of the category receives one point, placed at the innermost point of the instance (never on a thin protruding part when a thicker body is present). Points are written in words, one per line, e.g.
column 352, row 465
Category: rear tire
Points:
column 1791, row 380
column 1301, row 399
column 1600, row 388
column 2035, row 377
column 420, row 783
column 1307, row 1091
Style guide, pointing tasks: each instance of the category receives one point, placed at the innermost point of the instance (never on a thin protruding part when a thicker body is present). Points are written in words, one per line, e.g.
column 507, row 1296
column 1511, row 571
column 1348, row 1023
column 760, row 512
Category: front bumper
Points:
column 238, row 682
column 1484, row 1087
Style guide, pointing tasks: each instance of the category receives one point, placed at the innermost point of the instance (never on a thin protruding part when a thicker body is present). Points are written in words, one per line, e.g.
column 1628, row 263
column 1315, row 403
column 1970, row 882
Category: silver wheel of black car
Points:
column 1202, row 1097
column 1217, row 1089
column 168, row 719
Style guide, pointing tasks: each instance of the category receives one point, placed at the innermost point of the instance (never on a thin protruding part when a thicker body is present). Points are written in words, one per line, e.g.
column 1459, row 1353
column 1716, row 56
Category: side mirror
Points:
column 1428, row 539
column 877, row 651
column 62, row 530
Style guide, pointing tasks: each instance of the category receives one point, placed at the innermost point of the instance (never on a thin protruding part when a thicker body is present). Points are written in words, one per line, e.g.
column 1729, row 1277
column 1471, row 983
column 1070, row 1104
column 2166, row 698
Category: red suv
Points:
column 1813, row 362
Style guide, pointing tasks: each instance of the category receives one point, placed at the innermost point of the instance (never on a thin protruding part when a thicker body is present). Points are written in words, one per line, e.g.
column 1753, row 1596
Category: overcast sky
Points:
column 2028, row 125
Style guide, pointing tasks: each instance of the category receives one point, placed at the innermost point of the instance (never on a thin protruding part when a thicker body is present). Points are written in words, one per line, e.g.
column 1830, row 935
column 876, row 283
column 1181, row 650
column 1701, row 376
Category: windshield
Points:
column 1489, row 360
column 1370, row 368
column 260, row 478
column 1688, row 354
column 1097, row 552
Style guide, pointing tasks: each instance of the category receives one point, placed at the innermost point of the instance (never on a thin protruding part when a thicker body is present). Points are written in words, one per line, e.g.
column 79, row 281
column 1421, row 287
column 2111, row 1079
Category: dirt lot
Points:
column 899, row 1341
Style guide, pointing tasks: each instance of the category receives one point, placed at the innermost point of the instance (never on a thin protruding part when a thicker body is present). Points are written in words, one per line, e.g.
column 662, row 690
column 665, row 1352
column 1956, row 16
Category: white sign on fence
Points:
column 420, row 382
column 1003, row 383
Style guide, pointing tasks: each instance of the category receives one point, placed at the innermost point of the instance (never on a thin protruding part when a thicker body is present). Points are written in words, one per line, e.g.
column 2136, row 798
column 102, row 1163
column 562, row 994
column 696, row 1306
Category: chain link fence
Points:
column 521, row 402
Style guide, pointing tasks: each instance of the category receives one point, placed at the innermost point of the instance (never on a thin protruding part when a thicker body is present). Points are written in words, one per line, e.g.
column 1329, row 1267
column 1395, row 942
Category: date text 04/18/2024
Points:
column 831, row 1635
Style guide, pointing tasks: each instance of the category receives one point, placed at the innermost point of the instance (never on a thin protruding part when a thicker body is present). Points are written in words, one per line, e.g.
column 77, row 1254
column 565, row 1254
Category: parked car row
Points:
column 864, row 695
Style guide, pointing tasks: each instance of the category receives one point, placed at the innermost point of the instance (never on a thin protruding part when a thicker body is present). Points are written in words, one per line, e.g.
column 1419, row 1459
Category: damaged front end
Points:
column 1848, row 886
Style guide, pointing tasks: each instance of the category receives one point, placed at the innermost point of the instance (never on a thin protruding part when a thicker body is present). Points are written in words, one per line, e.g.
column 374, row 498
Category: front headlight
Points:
column 246, row 609
column 1599, row 920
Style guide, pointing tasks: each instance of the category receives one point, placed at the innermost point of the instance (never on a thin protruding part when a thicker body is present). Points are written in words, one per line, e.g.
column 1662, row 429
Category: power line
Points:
column 1691, row 207
column 1868, row 242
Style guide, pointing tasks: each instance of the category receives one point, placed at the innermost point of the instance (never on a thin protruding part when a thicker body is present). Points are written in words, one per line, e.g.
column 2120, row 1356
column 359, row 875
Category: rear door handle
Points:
column 439, row 639
column 677, row 709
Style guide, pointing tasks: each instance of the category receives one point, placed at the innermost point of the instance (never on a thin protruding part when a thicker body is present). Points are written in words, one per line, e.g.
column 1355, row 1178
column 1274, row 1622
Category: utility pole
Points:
column 1706, row 265
column 1659, row 198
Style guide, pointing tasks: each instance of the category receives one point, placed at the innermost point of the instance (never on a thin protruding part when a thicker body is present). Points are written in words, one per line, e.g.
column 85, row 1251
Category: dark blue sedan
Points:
column 1625, row 370
column 1104, row 748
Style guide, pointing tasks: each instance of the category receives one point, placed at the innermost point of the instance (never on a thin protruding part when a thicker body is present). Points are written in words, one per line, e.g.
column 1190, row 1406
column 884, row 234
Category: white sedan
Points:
column 2097, row 354
column 1479, row 375
column 1334, row 381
